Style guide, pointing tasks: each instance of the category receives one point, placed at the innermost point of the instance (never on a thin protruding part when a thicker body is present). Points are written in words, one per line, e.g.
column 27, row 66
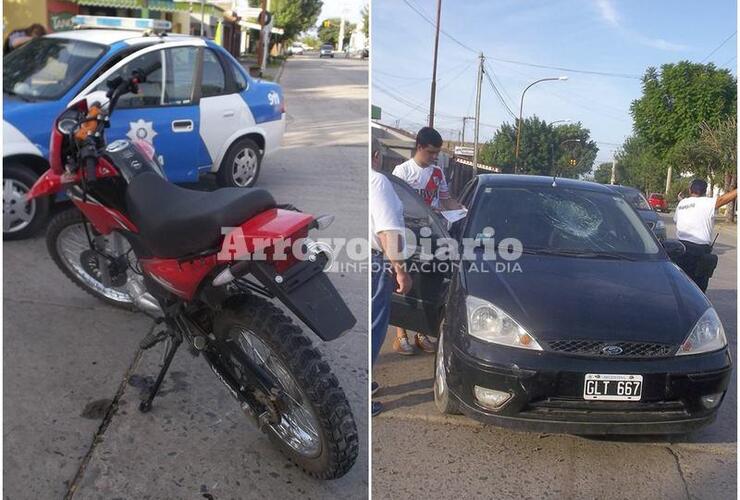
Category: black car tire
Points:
column 26, row 177
column 442, row 399
column 243, row 146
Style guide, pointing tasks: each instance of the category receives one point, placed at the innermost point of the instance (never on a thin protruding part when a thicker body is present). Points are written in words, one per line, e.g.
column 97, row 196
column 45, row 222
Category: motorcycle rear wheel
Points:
column 67, row 244
column 320, row 437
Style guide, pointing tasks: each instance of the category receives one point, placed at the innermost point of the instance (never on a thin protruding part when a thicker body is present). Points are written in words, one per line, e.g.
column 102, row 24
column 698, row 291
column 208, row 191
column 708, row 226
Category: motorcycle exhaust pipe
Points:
column 143, row 300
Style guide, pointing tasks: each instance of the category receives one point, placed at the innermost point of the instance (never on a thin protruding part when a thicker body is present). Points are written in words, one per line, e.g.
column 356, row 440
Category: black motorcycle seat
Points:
column 176, row 222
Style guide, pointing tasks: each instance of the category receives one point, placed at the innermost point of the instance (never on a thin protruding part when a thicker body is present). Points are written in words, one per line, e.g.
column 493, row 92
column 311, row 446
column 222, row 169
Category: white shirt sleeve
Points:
column 386, row 208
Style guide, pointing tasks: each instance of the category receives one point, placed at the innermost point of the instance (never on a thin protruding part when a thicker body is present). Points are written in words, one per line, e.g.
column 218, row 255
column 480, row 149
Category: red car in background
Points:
column 657, row 201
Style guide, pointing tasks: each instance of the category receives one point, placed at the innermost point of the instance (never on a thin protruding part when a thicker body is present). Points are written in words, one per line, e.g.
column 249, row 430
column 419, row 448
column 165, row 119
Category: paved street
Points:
column 67, row 356
column 418, row 453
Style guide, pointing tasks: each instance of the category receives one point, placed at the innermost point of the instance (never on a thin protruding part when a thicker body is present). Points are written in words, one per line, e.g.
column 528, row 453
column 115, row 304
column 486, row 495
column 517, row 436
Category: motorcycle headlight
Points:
column 707, row 335
column 490, row 324
column 660, row 226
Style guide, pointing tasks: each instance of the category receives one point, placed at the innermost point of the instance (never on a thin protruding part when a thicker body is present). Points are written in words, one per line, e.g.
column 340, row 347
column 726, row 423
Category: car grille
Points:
column 596, row 348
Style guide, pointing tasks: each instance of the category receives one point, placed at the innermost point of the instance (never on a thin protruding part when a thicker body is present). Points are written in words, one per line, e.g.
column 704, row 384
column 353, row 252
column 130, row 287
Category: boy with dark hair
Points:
column 422, row 174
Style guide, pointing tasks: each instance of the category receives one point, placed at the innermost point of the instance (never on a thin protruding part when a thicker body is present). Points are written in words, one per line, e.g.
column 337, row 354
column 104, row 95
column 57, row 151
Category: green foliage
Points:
column 312, row 41
column 712, row 155
column 543, row 149
column 365, row 12
column 678, row 185
column 639, row 166
column 603, row 173
column 330, row 34
column 294, row 16
column 676, row 100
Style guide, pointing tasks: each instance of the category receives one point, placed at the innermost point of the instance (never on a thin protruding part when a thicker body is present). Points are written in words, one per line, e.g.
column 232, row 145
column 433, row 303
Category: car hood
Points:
column 33, row 120
column 562, row 298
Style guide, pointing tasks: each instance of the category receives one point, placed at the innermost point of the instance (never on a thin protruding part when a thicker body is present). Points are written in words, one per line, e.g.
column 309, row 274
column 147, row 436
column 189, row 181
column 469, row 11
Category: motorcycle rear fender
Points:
column 307, row 292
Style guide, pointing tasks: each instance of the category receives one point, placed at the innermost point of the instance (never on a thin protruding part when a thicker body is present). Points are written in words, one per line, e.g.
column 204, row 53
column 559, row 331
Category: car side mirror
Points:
column 674, row 248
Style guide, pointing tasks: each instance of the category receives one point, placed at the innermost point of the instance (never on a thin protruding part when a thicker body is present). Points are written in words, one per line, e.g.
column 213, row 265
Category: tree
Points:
column 543, row 149
column 365, row 12
column 676, row 100
column 603, row 173
column 329, row 31
column 294, row 17
column 639, row 166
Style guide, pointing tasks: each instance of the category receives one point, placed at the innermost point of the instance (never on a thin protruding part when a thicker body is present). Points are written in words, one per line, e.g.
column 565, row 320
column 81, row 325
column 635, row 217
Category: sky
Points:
column 334, row 8
column 622, row 38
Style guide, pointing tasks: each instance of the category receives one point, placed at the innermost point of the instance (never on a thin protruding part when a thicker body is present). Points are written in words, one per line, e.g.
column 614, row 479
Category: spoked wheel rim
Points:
column 245, row 167
column 17, row 212
column 74, row 250
column 298, row 426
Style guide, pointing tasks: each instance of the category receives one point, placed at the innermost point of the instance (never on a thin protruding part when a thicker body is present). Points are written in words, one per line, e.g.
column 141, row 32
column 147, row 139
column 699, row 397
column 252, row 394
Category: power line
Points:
column 570, row 70
column 728, row 61
column 719, row 46
column 498, row 94
column 430, row 21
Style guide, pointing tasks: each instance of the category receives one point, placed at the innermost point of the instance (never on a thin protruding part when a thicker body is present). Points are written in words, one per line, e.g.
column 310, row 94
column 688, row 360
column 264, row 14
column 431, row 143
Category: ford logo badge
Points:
column 612, row 350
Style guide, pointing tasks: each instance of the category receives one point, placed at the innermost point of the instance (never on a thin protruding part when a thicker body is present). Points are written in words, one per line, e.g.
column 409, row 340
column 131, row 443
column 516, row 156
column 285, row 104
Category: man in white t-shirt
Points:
column 423, row 175
column 387, row 241
column 694, row 220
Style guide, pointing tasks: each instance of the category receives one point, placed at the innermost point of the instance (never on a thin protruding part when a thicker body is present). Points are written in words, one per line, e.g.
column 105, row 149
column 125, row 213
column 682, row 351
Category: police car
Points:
column 200, row 110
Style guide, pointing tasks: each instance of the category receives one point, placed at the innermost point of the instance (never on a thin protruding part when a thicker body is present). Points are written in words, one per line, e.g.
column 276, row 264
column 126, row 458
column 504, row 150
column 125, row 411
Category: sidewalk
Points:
column 273, row 71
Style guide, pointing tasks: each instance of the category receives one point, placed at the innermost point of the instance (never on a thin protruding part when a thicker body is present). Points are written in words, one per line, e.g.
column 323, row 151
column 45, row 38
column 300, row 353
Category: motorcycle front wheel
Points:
column 69, row 247
column 315, row 428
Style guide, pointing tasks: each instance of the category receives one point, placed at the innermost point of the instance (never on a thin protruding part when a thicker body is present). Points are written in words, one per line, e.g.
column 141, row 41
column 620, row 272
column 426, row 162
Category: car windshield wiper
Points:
column 589, row 254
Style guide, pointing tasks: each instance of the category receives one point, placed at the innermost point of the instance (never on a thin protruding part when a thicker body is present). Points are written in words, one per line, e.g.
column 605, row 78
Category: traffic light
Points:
column 327, row 24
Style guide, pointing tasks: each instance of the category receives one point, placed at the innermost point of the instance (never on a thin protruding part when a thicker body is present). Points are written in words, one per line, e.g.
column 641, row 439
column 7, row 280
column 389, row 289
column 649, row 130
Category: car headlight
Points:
column 490, row 324
column 707, row 335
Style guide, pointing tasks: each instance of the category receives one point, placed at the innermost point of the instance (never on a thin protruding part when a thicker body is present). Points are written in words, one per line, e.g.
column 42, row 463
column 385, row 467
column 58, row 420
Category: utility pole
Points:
column 668, row 179
column 341, row 34
column 202, row 15
column 614, row 171
column 465, row 118
column 434, row 67
column 477, row 110
column 261, row 41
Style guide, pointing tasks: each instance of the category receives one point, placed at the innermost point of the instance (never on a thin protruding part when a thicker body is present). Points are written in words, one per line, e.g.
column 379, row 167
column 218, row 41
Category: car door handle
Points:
column 228, row 113
column 182, row 126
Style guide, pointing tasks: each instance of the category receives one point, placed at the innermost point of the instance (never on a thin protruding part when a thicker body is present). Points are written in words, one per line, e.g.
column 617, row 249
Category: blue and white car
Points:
column 200, row 110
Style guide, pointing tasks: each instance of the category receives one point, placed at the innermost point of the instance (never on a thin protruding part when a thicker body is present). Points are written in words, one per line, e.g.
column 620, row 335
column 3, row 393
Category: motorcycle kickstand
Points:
column 146, row 405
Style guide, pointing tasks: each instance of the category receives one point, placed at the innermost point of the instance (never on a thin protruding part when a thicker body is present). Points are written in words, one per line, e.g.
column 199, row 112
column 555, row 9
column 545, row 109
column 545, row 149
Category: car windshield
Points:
column 46, row 68
column 560, row 220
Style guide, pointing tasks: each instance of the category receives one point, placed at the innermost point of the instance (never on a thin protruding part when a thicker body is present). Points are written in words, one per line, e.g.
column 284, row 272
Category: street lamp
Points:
column 521, row 109
column 567, row 120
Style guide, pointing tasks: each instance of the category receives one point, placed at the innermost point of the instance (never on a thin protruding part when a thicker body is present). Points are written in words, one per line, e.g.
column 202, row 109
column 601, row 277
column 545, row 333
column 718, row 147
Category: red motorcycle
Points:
column 134, row 239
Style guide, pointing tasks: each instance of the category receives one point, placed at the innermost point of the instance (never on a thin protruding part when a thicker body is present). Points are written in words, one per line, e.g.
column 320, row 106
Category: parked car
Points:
column 597, row 332
column 296, row 49
column 651, row 218
column 657, row 201
column 326, row 50
column 210, row 117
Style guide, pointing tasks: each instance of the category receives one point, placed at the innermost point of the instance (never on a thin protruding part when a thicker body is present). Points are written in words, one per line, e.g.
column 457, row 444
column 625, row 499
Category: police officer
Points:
column 694, row 220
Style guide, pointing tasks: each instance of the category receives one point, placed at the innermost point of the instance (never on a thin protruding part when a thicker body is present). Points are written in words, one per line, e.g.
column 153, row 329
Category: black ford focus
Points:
column 578, row 323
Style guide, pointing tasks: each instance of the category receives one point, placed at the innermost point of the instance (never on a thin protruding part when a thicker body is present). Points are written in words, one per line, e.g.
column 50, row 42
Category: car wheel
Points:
column 21, row 218
column 241, row 165
column 444, row 402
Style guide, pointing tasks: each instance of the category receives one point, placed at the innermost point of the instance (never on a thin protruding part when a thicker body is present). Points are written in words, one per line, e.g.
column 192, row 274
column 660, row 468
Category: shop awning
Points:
column 117, row 4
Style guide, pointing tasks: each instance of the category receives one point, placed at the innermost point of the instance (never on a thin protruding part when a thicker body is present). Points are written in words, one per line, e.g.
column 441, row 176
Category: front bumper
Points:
column 547, row 390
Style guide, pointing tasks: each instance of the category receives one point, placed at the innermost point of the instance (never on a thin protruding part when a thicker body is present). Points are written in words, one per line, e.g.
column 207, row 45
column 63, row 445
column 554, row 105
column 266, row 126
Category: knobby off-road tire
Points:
column 293, row 350
column 67, row 220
